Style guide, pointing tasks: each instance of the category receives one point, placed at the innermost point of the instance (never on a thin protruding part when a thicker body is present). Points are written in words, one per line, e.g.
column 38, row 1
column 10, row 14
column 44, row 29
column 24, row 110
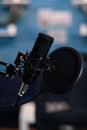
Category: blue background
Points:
column 28, row 29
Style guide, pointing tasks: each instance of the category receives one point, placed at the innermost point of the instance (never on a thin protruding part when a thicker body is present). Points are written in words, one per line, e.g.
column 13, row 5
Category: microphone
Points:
column 35, row 61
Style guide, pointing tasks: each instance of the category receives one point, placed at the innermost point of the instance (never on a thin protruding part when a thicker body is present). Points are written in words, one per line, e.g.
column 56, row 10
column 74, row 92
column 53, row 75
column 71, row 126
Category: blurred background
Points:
column 20, row 23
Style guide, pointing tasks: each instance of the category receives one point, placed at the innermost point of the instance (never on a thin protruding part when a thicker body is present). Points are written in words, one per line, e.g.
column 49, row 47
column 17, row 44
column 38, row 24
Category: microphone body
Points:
column 35, row 61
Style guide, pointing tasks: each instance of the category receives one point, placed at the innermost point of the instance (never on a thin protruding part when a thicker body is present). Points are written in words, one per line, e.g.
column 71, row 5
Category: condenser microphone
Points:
column 34, row 61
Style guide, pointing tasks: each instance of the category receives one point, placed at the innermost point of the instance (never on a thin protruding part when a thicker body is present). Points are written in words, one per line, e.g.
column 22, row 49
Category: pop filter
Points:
column 68, row 66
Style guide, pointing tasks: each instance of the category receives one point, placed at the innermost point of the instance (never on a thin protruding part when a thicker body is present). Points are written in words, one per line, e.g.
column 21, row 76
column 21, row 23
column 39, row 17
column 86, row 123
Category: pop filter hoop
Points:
column 68, row 64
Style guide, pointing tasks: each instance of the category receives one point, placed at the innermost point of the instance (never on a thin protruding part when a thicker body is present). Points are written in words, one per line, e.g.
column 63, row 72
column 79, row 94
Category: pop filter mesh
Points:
column 68, row 65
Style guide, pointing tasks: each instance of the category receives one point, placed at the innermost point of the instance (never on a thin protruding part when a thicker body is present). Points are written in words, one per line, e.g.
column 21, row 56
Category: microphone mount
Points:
column 22, row 63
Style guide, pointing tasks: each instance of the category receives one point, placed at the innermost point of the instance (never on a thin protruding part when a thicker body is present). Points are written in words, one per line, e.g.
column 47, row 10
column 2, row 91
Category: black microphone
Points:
column 35, row 61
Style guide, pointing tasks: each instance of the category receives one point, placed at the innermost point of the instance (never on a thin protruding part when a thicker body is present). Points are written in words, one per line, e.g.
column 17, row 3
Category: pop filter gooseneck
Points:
column 68, row 66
